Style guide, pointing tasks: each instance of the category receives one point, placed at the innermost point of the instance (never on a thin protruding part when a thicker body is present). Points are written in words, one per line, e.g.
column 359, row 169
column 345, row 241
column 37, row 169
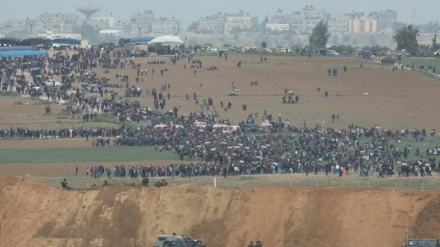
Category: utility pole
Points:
column 413, row 18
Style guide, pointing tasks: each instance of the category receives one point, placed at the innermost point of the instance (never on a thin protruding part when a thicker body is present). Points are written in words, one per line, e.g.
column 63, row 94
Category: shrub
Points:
column 145, row 181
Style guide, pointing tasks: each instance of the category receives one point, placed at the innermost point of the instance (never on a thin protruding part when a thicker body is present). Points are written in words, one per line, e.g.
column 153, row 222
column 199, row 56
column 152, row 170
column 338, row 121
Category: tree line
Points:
column 405, row 37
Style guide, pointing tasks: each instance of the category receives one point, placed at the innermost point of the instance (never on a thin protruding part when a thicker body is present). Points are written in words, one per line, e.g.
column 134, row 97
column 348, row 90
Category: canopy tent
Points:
column 21, row 53
column 9, row 41
column 200, row 124
column 11, row 48
column 166, row 39
column 136, row 40
column 217, row 125
column 266, row 124
column 66, row 41
column 161, row 126
column 36, row 41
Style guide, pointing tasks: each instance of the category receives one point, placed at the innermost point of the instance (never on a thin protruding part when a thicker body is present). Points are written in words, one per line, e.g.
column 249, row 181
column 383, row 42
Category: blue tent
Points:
column 66, row 41
column 18, row 48
column 21, row 53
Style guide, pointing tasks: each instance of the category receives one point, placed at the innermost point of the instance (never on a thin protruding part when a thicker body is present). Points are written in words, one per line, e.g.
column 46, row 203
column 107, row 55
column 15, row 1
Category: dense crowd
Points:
column 275, row 147
column 253, row 149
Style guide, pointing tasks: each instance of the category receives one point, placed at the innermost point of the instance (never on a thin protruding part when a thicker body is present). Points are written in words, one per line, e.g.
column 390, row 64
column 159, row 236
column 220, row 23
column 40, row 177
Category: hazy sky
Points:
column 191, row 10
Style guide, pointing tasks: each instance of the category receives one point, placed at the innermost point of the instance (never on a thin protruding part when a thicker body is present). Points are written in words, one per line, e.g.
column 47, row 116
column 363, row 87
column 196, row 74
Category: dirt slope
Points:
column 35, row 214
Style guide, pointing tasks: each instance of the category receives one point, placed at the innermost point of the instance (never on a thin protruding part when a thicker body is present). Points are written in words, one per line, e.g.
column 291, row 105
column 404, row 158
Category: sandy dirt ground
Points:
column 34, row 214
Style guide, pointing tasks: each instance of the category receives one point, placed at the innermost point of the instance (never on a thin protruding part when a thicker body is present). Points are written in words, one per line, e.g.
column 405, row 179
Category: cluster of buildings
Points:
column 298, row 22
column 57, row 25
column 303, row 22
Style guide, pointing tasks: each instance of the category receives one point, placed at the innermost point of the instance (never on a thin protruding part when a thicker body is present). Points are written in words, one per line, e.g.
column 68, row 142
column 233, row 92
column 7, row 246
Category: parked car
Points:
column 332, row 53
column 52, row 83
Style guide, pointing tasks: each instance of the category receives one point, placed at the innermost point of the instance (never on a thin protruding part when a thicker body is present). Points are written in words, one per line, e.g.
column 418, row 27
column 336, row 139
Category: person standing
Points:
column 64, row 184
column 380, row 173
column 76, row 171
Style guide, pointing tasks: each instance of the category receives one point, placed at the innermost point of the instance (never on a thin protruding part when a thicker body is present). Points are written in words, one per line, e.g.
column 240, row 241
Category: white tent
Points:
column 200, row 124
column 266, row 124
column 160, row 126
column 217, row 125
column 166, row 39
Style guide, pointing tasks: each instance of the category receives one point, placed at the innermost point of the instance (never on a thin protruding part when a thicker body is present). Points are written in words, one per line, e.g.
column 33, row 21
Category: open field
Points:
column 59, row 155
column 369, row 96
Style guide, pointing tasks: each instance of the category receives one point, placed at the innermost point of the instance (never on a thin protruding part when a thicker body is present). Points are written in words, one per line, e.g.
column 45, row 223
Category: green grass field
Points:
column 96, row 154
column 267, row 180
column 108, row 154
column 423, row 61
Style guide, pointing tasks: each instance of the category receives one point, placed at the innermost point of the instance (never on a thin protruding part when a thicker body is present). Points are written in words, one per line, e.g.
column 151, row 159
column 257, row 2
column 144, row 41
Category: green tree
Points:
column 320, row 35
column 406, row 38
column 193, row 27
column 435, row 46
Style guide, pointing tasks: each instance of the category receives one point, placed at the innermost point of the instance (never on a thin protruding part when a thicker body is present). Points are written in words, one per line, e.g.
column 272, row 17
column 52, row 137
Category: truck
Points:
column 175, row 240
column 414, row 242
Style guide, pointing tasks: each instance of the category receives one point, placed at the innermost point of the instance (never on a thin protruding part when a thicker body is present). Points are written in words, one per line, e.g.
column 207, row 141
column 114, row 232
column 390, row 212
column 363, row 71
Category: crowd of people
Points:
column 276, row 147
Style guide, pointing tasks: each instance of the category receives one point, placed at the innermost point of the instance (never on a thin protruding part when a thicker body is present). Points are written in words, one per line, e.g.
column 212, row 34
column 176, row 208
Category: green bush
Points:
column 145, row 181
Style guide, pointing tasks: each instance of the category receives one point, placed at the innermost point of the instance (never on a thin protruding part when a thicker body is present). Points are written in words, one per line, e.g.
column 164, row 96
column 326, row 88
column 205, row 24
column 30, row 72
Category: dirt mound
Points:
column 34, row 214
column 427, row 223
column 7, row 179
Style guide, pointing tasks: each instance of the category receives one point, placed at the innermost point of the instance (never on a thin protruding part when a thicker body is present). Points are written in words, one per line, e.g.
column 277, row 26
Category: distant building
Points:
column 165, row 26
column 338, row 25
column 239, row 22
column 278, row 22
column 52, row 35
column 213, row 24
column 278, row 26
column 278, row 17
column 362, row 24
column 55, row 22
column 107, row 22
column 385, row 19
column 111, row 32
column 302, row 21
column 140, row 23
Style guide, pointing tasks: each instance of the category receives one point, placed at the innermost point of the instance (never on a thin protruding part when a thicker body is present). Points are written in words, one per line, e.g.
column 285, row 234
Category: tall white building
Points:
column 239, row 22
column 362, row 24
column 107, row 22
column 338, row 25
column 211, row 24
column 385, row 19
column 52, row 35
column 278, row 26
column 165, row 26
column 140, row 23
